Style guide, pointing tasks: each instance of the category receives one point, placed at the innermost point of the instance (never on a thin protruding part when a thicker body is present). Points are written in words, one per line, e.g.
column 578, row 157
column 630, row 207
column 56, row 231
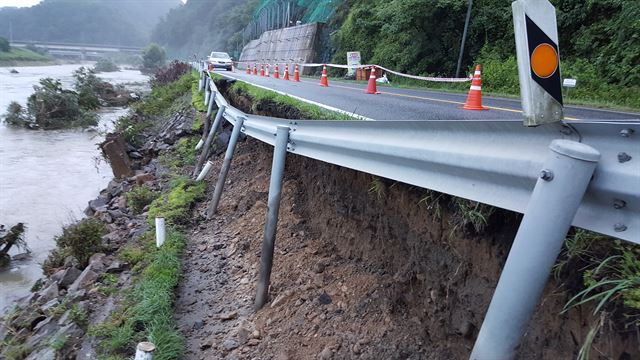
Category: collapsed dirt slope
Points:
column 356, row 275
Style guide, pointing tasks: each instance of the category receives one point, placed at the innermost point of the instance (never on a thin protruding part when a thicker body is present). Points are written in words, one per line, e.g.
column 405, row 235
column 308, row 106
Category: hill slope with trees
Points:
column 87, row 21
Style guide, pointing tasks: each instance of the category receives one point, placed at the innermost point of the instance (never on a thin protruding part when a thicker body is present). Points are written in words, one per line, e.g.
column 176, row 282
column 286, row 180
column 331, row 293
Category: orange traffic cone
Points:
column 296, row 74
column 210, row 67
column 262, row 70
column 248, row 69
column 324, row 81
column 266, row 71
column 372, row 87
column 255, row 69
column 276, row 74
column 474, row 100
column 286, row 72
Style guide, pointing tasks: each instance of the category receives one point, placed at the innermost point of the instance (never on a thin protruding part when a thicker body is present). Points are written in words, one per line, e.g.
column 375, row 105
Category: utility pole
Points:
column 464, row 38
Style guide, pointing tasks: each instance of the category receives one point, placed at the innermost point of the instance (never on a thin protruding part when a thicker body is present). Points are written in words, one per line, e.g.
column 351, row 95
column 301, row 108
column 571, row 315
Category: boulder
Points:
column 48, row 293
column 69, row 276
column 98, row 204
column 85, row 279
column 43, row 354
column 115, row 150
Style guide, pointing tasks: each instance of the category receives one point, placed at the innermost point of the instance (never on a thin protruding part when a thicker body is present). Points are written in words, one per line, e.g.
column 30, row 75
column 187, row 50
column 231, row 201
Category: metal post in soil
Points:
column 207, row 144
column 273, row 206
column 224, row 170
column 547, row 219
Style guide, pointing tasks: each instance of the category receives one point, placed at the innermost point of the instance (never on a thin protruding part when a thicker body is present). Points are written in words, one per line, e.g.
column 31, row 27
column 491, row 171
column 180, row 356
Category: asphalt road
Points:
column 410, row 104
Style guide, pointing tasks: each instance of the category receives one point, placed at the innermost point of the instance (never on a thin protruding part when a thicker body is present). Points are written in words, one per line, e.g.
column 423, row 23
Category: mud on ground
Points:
column 355, row 276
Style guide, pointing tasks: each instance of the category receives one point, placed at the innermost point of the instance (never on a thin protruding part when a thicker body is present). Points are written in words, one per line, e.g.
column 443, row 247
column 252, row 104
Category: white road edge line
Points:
column 331, row 108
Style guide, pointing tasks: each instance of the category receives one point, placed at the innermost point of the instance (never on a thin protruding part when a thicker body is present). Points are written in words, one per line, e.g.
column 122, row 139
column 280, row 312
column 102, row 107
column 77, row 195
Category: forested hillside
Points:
column 599, row 41
column 85, row 21
column 199, row 27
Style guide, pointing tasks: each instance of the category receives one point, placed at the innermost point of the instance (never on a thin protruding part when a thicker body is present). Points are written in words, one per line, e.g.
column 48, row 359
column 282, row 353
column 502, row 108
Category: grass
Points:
column 377, row 188
column 147, row 312
column 174, row 204
column 139, row 197
column 603, row 273
column 470, row 215
column 261, row 98
column 161, row 99
column 18, row 54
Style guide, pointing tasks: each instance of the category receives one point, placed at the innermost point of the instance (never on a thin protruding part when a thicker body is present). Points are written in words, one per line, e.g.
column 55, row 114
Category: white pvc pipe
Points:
column 199, row 145
column 205, row 170
column 144, row 350
column 160, row 231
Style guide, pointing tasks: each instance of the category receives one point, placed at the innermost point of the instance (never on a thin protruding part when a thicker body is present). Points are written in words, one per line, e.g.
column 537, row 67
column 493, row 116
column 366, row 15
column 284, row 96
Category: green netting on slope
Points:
column 312, row 10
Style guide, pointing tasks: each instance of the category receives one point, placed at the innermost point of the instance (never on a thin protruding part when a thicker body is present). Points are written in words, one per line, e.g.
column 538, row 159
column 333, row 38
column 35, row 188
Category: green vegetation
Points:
column 16, row 55
column 140, row 197
column 153, row 58
column 470, row 215
column 197, row 97
column 53, row 107
column 147, row 311
column 605, row 273
column 112, row 22
column 78, row 316
column 162, row 97
column 596, row 40
column 105, row 65
column 174, row 205
column 59, row 343
column 378, row 188
column 226, row 16
column 4, row 45
column 281, row 105
column 82, row 239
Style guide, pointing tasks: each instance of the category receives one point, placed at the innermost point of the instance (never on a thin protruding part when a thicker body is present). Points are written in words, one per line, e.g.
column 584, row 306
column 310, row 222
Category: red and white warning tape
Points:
column 416, row 77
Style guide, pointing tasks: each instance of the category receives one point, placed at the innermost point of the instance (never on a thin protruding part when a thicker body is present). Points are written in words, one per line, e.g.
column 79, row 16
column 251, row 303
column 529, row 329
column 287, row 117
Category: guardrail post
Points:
column 273, row 206
column 224, row 170
column 207, row 91
column 207, row 144
column 548, row 216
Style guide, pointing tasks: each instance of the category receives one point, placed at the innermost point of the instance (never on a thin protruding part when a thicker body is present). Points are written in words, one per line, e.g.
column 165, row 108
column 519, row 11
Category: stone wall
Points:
column 293, row 45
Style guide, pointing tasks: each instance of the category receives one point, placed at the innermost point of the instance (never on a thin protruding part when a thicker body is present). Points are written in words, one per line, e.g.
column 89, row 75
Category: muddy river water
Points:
column 47, row 177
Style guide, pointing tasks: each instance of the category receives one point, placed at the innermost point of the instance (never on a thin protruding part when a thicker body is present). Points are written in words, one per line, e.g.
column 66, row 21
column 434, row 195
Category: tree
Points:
column 153, row 57
column 4, row 45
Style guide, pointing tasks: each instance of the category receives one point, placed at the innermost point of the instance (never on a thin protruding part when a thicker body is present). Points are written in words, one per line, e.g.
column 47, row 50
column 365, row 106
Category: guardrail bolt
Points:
column 623, row 157
column 626, row 132
column 546, row 175
column 619, row 204
column 619, row 227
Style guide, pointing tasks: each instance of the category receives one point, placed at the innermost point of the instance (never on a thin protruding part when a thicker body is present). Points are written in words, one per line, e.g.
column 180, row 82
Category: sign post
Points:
column 536, row 33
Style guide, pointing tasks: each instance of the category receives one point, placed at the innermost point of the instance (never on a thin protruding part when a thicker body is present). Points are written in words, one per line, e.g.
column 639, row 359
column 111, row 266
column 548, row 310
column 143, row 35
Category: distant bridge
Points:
column 84, row 51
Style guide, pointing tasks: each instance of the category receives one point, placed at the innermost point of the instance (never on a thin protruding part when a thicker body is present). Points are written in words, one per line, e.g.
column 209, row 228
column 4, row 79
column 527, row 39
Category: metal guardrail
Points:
column 580, row 173
column 492, row 162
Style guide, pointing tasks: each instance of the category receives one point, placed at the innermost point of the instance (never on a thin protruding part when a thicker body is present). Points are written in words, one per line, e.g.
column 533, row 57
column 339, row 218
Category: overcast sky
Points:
column 21, row 3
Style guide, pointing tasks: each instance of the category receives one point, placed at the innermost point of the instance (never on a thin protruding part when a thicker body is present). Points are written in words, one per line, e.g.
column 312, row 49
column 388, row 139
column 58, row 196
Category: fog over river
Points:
column 47, row 177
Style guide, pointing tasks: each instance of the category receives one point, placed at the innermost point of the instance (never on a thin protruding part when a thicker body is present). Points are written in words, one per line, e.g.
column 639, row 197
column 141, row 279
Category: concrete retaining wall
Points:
column 289, row 45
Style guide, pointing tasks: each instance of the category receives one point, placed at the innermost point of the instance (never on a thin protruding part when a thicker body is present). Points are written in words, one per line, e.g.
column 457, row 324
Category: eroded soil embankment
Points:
column 355, row 276
column 387, row 274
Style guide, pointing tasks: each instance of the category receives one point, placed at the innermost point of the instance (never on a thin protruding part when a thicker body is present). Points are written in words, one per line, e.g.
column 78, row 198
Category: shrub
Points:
column 4, row 45
column 140, row 197
column 105, row 65
column 170, row 73
column 82, row 239
column 153, row 58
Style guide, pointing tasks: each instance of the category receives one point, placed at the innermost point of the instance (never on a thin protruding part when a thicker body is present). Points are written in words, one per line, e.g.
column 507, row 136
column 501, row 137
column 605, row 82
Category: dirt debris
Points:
column 354, row 277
